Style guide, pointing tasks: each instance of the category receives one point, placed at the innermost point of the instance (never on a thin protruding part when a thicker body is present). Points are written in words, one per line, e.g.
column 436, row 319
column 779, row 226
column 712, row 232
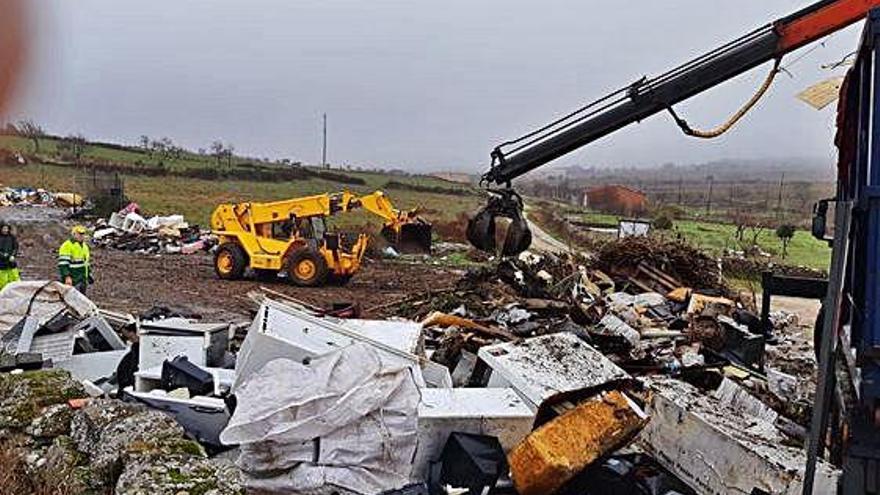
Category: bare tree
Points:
column 74, row 145
column 144, row 143
column 31, row 130
column 218, row 150
column 741, row 220
column 157, row 147
column 755, row 230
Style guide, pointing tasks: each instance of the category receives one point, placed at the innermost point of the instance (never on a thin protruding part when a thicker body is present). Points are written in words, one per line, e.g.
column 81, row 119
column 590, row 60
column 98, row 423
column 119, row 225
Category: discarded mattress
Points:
column 346, row 420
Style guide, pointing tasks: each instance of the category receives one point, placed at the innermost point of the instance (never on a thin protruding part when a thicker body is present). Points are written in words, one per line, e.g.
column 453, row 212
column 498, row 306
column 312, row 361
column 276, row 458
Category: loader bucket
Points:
column 482, row 228
column 413, row 238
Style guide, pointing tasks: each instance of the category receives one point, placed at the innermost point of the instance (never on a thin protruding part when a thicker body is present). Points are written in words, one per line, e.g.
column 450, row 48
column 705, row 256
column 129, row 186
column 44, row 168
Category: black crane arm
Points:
column 647, row 97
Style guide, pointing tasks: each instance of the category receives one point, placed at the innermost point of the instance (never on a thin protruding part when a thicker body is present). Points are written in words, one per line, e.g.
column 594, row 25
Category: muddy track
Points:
column 134, row 282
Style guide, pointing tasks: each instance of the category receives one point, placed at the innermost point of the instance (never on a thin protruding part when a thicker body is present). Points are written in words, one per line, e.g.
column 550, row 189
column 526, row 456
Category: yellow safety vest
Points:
column 73, row 261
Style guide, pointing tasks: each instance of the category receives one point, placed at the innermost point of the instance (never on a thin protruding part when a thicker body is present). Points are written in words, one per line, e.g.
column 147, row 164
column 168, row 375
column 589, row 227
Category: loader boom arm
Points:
column 648, row 97
column 319, row 205
column 380, row 205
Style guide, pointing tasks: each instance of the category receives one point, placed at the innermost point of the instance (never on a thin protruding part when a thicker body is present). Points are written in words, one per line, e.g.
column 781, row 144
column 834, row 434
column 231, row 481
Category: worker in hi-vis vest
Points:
column 74, row 265
column 8, row 252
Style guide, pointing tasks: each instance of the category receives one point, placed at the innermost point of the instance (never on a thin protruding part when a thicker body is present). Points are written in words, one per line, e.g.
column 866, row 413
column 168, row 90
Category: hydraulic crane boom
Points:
column 651, row 96
column 643, row 99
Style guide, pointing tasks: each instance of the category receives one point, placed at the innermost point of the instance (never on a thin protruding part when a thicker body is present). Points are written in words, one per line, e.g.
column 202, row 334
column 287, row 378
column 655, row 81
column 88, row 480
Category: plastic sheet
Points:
column 344, row 420
column 42, row 300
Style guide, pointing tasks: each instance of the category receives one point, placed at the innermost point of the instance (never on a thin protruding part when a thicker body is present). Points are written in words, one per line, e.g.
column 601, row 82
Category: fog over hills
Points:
column 809, row 169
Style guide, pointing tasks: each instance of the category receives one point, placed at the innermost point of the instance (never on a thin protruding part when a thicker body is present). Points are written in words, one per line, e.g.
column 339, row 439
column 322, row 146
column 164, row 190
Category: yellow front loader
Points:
column 291, row 236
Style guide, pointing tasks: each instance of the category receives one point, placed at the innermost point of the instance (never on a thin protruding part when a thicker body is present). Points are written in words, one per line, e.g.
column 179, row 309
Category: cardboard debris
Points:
column 823, row 93
column 701, row 304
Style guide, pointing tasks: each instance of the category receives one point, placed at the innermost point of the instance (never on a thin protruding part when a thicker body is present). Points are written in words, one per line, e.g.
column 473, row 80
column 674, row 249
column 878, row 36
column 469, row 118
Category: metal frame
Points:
column 781, row 285
column 851, row 330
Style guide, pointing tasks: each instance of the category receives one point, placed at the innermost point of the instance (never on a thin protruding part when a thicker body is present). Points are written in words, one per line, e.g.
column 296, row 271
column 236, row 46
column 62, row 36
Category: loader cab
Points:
column 309, row 228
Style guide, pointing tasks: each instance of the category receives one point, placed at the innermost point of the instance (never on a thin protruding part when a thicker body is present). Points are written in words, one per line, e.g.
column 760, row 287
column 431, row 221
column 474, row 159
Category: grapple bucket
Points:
column 481, row 229
column 414, row 237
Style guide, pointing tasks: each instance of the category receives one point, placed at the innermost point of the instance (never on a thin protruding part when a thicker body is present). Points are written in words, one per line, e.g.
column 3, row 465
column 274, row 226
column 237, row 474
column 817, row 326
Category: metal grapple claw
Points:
column 503, row 203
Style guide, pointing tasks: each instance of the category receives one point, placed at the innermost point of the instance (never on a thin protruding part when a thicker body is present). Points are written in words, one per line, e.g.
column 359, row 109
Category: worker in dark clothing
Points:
column 128, row 365
column 74, row 260
column 8, row 253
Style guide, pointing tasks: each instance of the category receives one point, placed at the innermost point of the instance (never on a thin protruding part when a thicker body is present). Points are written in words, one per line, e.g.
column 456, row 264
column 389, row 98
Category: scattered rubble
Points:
column 127, row 230
column 558, row 371
column 25, row 196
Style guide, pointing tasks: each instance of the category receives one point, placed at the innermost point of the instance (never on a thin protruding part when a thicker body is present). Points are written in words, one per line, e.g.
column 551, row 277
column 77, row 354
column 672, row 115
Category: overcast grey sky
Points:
column 421, row 85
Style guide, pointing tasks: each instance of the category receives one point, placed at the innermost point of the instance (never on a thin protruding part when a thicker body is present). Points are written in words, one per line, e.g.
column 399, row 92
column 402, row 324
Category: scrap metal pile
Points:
column 536, row 375
column 128, row 230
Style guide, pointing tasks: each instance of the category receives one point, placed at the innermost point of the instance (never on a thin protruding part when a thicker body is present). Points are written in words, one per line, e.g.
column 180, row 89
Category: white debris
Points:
column 344, row 420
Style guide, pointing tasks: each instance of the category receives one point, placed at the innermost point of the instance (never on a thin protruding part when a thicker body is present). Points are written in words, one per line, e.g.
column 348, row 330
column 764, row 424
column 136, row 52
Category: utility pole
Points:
column 680, row 187
column 709, row 199
column 779, row 204
column 324, row 153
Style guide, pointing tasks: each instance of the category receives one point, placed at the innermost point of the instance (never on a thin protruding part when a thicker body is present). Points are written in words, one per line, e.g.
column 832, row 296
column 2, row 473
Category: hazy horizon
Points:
column 416, row 86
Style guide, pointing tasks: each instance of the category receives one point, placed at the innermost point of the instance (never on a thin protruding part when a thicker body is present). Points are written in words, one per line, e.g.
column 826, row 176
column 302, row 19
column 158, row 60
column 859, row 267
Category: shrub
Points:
column 663, row 222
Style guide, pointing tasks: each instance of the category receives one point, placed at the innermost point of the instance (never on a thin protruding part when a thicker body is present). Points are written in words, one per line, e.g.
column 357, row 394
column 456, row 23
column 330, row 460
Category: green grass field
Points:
column 133, row 158
column 196, row 198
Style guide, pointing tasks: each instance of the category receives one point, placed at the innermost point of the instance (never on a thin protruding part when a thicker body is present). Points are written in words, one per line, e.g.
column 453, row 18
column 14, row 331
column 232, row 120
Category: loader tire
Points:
column 230, row 261
column 306, row 267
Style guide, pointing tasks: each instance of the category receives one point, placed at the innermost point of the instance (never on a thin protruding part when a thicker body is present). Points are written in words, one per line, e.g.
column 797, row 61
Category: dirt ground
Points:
column 134, row 283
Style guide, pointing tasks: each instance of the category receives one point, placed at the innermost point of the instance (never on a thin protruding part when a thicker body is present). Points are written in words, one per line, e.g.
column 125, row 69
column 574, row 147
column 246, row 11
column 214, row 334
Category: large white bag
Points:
column 345, row 420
